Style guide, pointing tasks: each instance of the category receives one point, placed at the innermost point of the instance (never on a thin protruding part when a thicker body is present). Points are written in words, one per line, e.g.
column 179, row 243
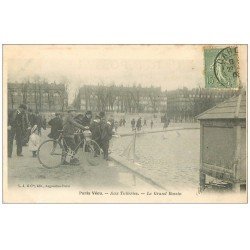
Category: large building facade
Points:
column 184, row 104
column 42, row 97
column 120, row 99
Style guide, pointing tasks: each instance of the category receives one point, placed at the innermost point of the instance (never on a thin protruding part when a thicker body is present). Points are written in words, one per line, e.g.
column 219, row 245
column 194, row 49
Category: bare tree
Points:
column 102, row 97
column 24, row 91
column 11, row 94
column 112, row 94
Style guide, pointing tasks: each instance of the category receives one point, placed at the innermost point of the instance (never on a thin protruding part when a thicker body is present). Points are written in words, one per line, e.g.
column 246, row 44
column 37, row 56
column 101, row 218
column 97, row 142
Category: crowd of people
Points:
column 23, row 123
column 101, row 129
column 137, row 125
column 25, row 126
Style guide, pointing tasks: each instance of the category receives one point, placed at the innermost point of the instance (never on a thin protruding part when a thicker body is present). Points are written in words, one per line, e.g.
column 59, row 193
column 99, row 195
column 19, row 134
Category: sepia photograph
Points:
column 125, row 123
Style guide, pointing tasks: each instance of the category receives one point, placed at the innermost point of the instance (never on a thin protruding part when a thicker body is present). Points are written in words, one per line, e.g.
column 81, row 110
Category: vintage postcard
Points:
column 125, row 123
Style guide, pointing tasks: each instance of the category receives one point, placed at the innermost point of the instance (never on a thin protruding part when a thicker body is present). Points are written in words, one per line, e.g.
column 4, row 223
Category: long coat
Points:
column 56, row 124
column 106, row 130
column 95, row 128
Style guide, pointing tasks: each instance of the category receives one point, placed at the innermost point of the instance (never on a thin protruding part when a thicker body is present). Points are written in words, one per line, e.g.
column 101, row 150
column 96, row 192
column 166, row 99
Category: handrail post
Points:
column 134, row 146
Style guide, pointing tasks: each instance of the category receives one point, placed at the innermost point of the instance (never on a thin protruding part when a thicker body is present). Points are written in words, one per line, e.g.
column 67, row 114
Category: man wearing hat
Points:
column 85, row 119
column 106, row 134
column 16, row 129
column 69, row 128
column 96, row 129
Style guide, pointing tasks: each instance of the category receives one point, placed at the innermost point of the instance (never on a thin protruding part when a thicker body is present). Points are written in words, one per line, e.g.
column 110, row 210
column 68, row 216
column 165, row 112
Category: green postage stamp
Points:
column 221, row 67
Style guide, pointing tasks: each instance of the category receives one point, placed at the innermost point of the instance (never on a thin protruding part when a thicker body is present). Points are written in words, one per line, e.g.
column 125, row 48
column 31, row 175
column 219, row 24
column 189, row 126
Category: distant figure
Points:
column 34, row 141
column 166, row 123
column 151, row 124
column 133, row 124
column 138, row 124
column 145, row 122
column 124, row 122
column 121, row 122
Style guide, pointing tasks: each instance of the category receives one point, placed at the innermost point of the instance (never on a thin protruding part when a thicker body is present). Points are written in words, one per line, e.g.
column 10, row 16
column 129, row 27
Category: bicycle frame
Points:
column 83, row 141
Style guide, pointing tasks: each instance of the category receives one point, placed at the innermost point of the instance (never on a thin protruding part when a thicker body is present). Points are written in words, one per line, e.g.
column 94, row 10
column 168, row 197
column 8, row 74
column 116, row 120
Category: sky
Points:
column 166, row 66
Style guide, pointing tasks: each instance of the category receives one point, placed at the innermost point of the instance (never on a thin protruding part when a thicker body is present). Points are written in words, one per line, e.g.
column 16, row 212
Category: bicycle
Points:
column 51, row 153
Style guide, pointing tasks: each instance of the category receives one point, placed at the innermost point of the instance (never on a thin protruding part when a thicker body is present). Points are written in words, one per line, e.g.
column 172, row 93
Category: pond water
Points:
column 169, row 158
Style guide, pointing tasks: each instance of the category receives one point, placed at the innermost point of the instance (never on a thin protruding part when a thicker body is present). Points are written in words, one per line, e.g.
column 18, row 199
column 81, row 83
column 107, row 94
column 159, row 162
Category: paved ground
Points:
column 27, row 170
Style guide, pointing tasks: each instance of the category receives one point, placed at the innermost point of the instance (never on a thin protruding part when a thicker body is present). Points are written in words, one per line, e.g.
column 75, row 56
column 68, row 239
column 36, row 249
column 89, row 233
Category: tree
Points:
column 112, row 94
column 11, row 94
column 102, row 97
column 24, row 91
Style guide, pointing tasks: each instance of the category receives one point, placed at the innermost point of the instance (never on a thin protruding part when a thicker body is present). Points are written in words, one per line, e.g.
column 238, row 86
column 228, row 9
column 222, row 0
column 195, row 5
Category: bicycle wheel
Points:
column 50, row 154
column 93, row 153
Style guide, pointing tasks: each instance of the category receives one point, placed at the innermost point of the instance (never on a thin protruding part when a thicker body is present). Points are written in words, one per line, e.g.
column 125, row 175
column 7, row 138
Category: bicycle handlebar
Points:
column 80, row 131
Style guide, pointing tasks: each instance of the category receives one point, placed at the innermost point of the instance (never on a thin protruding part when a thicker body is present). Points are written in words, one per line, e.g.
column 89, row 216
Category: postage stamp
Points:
column 221, row 67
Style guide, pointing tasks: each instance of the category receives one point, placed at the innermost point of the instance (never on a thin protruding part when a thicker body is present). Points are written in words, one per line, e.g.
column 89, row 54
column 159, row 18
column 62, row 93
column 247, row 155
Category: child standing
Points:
column 34, row 141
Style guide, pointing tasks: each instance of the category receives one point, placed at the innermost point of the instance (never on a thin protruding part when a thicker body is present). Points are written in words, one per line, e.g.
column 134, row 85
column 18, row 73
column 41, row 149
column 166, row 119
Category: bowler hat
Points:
column 23, row 106
column 89, row 112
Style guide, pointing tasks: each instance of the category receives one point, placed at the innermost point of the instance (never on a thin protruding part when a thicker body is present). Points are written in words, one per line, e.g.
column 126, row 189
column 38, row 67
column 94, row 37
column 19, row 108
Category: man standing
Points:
column 84, row 120
column 16, row 129
column 138, row 124
column 133, row 124
column 106, row 134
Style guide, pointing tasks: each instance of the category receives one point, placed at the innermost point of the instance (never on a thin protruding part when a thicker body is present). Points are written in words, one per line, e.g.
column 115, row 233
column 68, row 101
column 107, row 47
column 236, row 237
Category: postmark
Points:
column 221, row 67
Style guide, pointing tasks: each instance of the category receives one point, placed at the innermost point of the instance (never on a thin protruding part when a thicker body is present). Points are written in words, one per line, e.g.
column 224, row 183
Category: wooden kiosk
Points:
column 223, row 143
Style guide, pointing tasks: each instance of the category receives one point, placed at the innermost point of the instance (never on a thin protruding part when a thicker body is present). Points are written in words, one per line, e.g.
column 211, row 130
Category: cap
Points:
column 102, row 114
